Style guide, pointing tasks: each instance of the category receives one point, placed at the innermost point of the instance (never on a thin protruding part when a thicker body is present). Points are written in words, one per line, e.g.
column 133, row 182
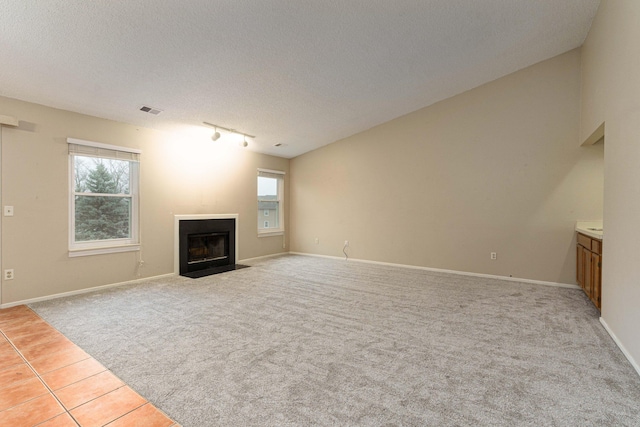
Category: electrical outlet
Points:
column 494, row 255
column 8, row 274
column 346, row 243
column 8, row 211
column 317, row 241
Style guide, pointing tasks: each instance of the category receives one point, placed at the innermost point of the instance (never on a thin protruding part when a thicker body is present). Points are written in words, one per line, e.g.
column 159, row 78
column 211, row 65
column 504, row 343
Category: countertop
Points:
column 591, row 229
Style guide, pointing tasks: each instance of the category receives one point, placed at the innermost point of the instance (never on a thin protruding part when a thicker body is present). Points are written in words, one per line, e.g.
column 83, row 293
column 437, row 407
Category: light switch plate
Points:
column 8, row 211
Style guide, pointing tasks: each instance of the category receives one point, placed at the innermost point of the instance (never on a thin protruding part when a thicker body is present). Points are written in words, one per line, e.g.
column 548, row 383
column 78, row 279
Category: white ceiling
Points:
column 297, row 72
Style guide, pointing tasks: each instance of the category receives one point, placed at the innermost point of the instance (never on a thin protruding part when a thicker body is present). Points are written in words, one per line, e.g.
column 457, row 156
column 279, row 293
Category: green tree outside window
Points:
column 102, row 199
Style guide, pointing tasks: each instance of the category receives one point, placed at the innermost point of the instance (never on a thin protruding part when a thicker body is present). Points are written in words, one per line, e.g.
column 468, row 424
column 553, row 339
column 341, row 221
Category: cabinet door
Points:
column 588, row 272
column 596, row 279
column 580, row 271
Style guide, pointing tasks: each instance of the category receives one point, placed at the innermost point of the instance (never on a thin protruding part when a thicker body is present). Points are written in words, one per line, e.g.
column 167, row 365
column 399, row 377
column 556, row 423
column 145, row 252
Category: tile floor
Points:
column 48, row 381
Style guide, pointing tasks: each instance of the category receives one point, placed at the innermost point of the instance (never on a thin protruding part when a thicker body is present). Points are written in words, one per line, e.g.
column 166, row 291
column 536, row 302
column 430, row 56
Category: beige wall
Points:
column 495, row 169
column 178, row 176
column 611, row 94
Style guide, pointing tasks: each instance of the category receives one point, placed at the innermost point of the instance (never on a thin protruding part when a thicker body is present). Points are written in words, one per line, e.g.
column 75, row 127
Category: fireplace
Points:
column 206, row 244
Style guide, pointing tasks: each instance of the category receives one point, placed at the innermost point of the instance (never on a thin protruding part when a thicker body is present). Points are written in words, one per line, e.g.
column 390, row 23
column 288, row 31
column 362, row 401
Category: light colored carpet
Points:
column 301, row 341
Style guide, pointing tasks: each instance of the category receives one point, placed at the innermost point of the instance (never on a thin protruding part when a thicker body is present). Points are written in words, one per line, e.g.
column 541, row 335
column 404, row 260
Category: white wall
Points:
column 611, row 94
column 496, row 169
column 178, row 176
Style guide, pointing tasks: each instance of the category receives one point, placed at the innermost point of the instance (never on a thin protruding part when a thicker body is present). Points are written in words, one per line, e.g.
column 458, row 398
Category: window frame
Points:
column 77, row 147
column 279, row 175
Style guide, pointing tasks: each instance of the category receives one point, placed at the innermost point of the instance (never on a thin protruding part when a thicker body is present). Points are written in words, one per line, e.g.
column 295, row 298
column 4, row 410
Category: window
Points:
column 270, row 200
column 103, row 198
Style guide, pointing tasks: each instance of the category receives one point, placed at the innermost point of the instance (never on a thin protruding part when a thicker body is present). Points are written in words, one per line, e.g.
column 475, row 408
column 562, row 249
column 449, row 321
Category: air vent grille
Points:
column 150, row 110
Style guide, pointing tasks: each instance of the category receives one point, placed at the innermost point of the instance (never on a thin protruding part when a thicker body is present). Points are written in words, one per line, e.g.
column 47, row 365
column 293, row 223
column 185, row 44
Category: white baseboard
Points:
column 620, row 346
column 113, row 285
column 242, row 261
column 439, row 270
column 82, row 291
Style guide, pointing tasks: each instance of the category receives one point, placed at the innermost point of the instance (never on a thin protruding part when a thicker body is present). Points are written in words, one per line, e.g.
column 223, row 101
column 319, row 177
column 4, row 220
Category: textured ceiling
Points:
column 300, row 73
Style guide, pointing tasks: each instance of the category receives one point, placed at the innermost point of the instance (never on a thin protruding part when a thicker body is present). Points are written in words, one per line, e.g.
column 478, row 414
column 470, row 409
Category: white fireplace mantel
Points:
column 176, row 234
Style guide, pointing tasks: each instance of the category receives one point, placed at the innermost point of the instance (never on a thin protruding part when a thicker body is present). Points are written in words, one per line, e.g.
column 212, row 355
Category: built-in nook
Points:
column 206, row 244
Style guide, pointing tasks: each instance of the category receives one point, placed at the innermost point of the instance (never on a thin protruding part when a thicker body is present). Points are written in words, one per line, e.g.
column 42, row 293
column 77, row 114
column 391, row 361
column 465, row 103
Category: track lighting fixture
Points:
column 216, row 134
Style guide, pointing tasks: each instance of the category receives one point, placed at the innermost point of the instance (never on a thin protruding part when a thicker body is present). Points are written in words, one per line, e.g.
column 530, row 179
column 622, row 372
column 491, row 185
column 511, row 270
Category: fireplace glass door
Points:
column 207, row 248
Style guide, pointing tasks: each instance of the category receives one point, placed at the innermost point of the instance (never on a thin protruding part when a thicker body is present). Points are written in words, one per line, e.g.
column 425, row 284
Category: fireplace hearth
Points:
column 206, row 246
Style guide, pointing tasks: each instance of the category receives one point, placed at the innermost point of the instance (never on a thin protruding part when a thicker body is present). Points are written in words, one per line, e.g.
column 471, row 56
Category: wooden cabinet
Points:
column 589, row 267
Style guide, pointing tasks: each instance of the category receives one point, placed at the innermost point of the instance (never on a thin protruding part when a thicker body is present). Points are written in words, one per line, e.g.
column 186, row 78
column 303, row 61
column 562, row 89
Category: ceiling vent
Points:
column 150, row 110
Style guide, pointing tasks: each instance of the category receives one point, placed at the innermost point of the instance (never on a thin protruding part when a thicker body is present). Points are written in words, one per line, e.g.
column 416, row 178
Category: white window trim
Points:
column 280, row 230
column 104, row 250
column 276, row 232
column 78, row 249
column 101, row 145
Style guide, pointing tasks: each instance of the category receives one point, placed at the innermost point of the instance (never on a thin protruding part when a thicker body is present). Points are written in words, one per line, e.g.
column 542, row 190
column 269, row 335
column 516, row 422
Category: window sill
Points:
column 270, row 233
column 104, row 250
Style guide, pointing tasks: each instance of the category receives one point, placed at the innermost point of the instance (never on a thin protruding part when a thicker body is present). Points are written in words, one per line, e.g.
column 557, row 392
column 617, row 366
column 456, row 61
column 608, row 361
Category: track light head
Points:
column 216, row 134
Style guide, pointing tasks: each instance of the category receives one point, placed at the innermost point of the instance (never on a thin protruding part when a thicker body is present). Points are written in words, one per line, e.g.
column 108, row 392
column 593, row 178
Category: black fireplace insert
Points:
column 207, row 246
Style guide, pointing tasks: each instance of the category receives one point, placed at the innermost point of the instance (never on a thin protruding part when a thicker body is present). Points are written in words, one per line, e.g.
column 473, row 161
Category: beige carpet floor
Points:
column 303, row 341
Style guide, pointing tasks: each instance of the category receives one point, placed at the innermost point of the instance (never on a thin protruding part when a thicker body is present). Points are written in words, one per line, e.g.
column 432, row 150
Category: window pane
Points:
column 100, row 218
column 267, row 188
column 269, row 203
column 270, row 214
column 106, row 176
